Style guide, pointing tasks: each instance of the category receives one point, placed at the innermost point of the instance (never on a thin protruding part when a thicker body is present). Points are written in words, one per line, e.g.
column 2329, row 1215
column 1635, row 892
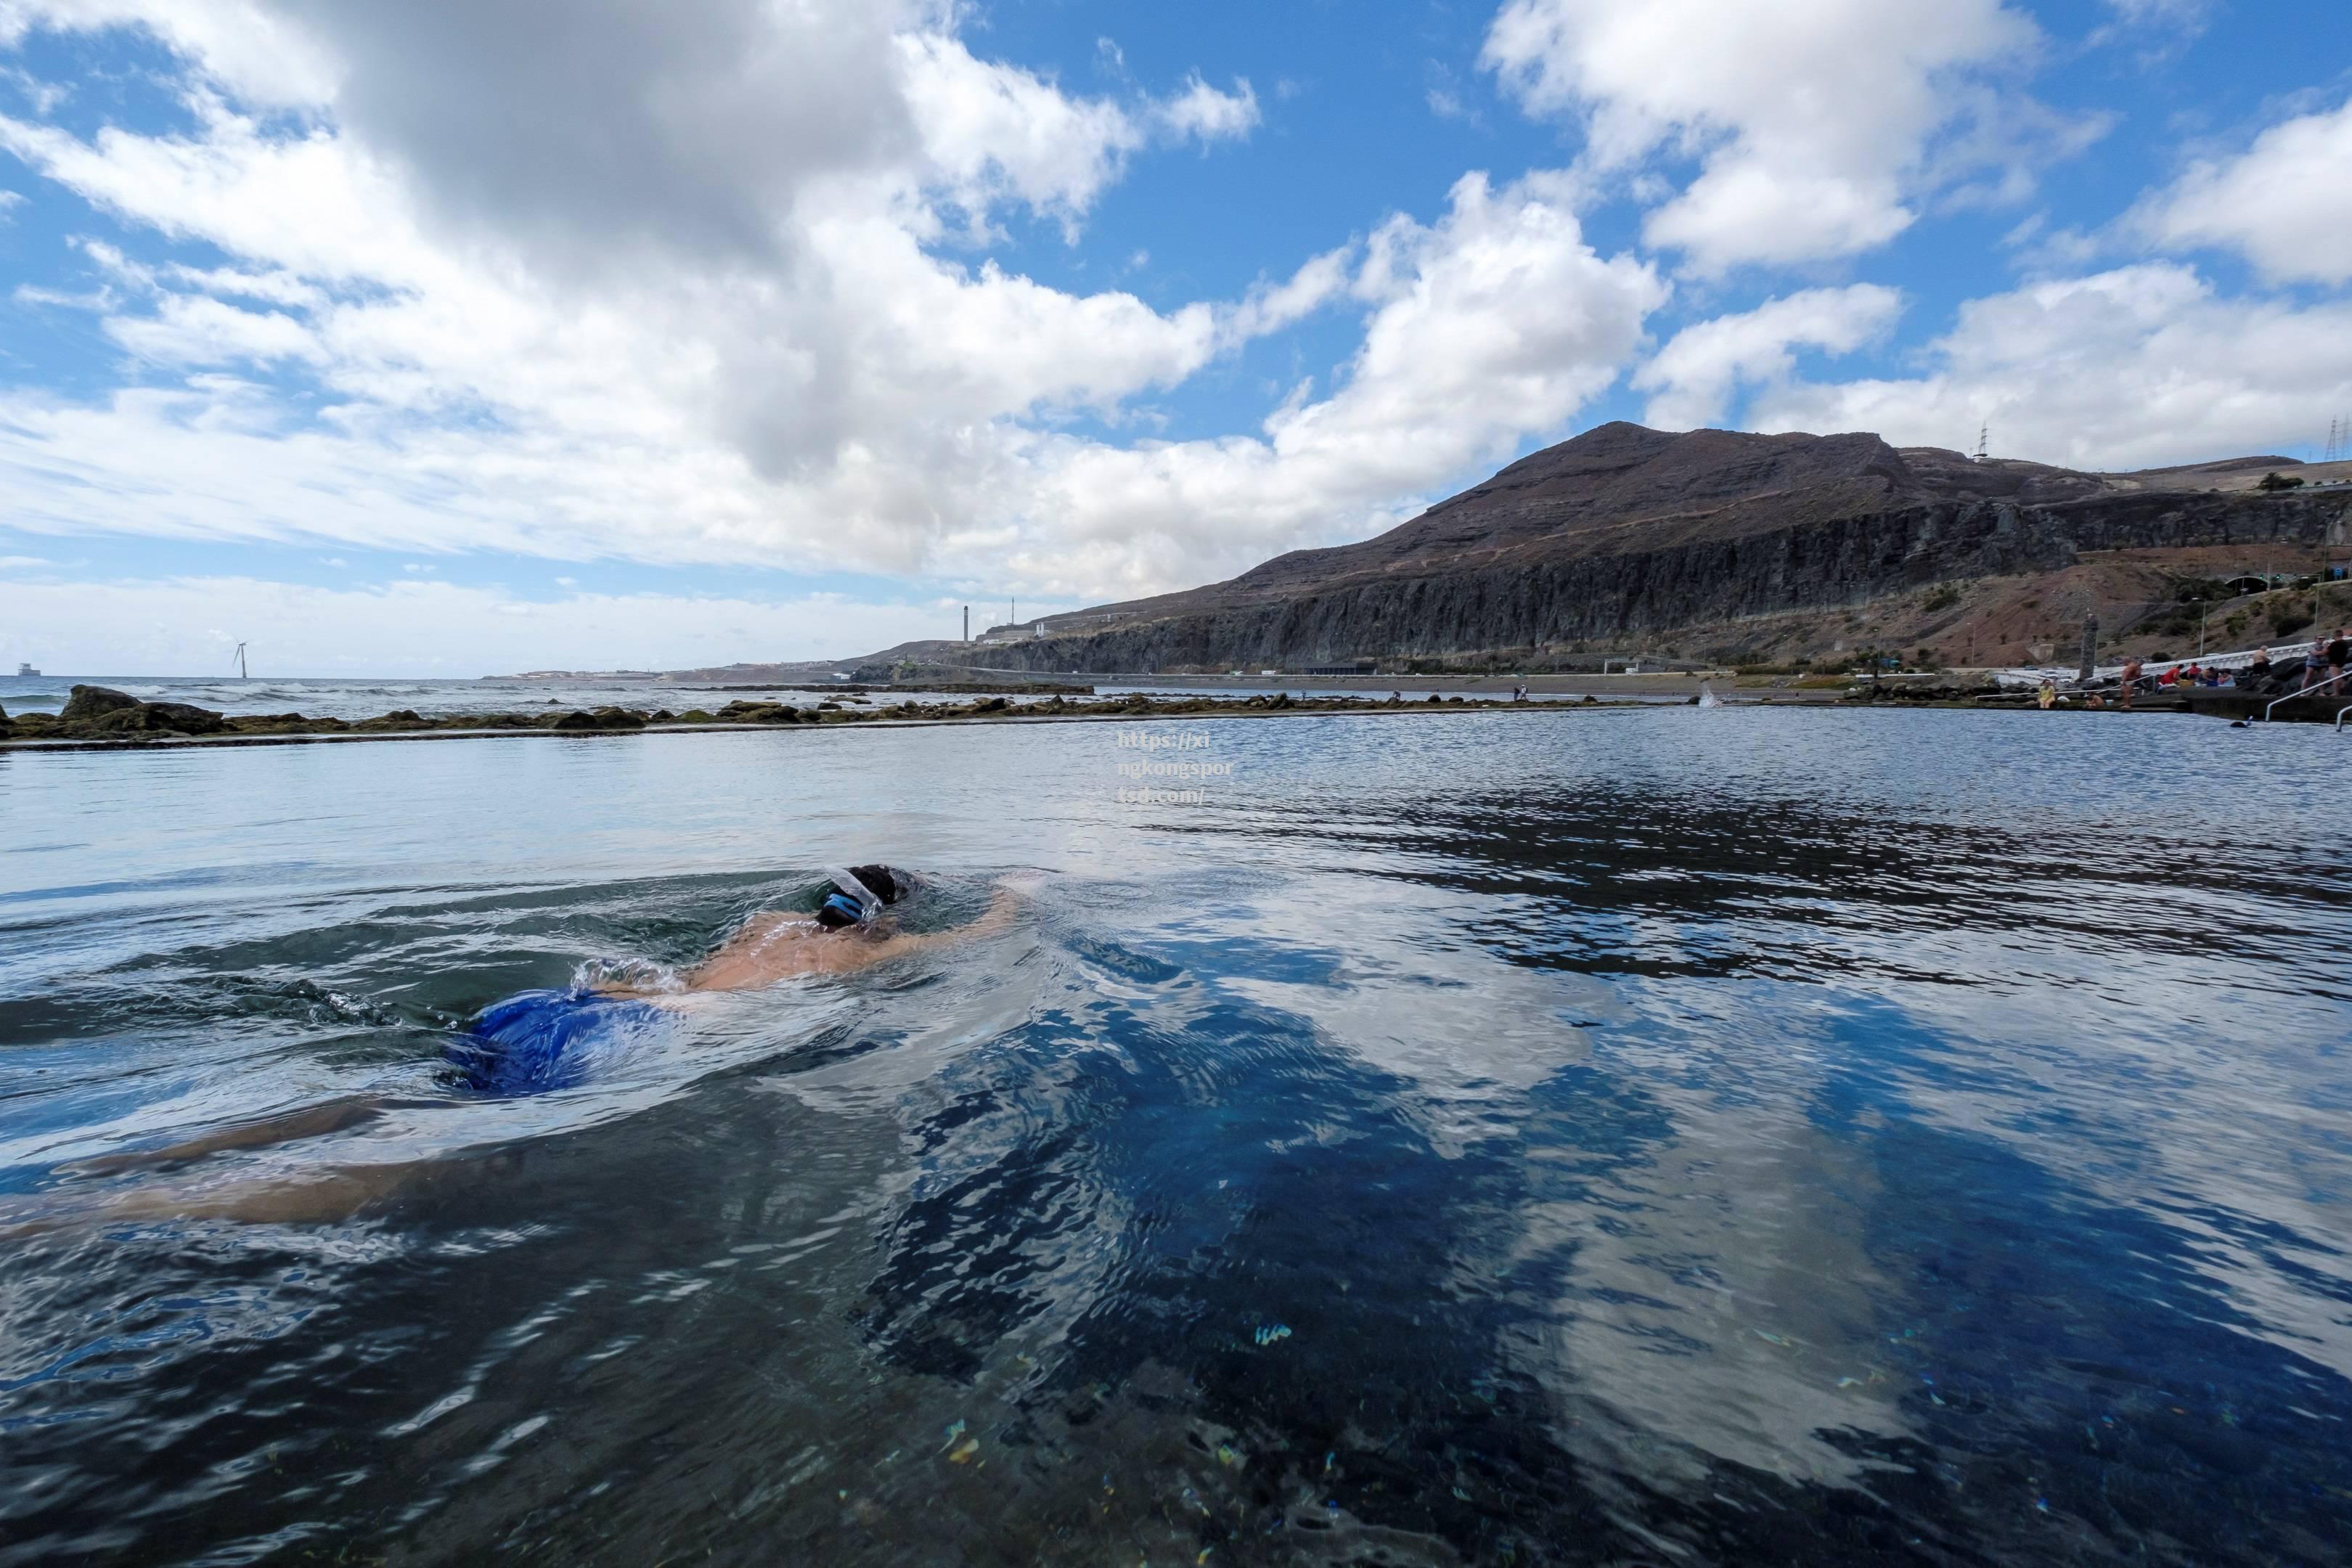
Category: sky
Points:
column 460, row 337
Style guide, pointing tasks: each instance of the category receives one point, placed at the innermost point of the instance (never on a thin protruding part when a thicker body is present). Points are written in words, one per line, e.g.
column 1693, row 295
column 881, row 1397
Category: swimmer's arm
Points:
column 999, row 915
column 742, row 960
column 312, row 1121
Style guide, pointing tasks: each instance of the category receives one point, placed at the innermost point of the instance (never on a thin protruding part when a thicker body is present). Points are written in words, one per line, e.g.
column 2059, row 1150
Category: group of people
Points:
column 2319, row 673
column 2327, row 659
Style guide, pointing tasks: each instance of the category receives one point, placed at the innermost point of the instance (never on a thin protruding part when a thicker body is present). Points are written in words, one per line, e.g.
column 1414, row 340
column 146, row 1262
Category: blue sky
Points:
column 475, row 335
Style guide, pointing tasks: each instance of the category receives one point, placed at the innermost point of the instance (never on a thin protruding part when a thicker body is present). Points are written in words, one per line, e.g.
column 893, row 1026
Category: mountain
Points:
column 1626, row 536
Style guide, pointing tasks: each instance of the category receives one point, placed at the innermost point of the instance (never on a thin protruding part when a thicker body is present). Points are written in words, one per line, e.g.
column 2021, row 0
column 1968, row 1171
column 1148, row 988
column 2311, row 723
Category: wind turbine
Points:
column 239, row 657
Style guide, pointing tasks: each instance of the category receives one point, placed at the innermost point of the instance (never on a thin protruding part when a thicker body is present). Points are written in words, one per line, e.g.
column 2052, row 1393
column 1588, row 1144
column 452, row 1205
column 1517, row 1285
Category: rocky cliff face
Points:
column 1625, row 532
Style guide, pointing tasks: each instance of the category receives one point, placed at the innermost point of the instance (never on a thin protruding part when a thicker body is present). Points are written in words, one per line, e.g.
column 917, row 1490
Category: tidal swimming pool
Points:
column 1730, row 1136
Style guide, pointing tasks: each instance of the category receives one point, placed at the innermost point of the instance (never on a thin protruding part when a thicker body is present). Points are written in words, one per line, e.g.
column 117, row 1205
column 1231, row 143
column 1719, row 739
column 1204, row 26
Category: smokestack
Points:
column 967, row 623
column 2090, row 649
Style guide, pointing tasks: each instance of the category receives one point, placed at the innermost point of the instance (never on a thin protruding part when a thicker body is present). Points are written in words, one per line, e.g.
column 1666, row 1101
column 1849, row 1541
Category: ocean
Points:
column 352, row 699
column 1723, row 1136
column 357, row 698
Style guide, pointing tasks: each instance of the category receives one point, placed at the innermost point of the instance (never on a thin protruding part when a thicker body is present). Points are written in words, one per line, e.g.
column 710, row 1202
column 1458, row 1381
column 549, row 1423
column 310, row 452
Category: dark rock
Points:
column 696, row 716
column 760, row 713
column 183, row 717
column 85, row 703
column 662, row 716
column 575, row 721
column 618, row 718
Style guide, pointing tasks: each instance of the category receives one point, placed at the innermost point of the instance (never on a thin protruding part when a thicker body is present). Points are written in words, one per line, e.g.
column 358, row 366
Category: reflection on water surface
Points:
column 1731, row 1137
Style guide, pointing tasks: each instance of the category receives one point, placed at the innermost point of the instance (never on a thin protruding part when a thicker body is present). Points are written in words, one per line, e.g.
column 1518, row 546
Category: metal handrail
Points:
column 2291, row 695
column 2339, row 719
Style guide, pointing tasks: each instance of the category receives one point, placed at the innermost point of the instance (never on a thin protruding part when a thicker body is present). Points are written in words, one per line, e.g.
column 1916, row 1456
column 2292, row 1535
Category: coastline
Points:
column 1107, row 714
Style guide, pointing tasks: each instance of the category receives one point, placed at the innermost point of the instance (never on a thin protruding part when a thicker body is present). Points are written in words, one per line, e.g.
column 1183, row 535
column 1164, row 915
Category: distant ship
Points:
column 24, row 669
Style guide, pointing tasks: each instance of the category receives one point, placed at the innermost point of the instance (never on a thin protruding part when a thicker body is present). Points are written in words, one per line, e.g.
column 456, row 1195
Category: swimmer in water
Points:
column 531, row 1042
column 536, row 1041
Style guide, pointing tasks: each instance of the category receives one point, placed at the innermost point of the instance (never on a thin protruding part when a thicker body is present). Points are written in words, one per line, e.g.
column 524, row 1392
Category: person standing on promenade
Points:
column 2131, row 678
column 2339, row 653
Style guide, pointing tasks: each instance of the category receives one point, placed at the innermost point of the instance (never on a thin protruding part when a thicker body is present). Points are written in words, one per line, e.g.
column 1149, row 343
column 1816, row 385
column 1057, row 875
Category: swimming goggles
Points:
column 856, row 897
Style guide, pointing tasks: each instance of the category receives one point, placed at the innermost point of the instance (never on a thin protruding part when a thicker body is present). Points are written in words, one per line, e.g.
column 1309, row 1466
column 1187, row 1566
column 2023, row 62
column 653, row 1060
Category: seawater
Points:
column 1731, row 1136
column 366, row 699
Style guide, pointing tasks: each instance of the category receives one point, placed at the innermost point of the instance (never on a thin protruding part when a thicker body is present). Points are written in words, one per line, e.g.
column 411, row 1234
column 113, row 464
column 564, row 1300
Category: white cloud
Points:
column 1496, row 323
column 426, row 628
column 20, row 562
column 842, row 398
column 664, row 314
column 2135, row 367
column 1202, row 112
column 993, row 130
column 242, row 42
column 1693, row 376
column 1268, row 309
column 198, row 330
column 1815, row 122
column 2187, row 14
column 2285, row 203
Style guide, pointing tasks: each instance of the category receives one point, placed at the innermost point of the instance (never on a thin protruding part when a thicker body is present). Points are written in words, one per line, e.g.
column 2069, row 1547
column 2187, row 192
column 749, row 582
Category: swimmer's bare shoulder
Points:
column 778, row 944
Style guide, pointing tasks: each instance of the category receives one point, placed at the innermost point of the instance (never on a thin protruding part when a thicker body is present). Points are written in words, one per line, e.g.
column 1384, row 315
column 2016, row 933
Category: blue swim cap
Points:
column 840, row 909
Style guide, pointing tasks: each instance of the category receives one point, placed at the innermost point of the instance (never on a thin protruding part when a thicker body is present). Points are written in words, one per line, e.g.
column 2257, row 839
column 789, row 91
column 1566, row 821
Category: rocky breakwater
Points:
column 101, row 713
column 101, row 716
